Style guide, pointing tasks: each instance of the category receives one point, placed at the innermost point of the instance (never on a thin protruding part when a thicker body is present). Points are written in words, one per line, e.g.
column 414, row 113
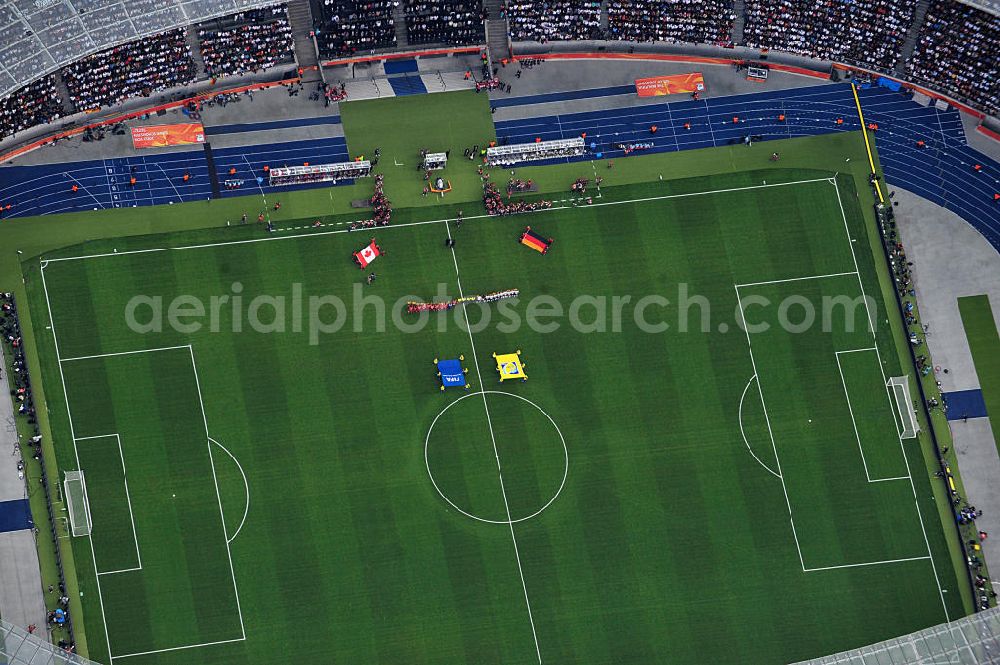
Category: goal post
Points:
column 900, row 387
column 75, row 490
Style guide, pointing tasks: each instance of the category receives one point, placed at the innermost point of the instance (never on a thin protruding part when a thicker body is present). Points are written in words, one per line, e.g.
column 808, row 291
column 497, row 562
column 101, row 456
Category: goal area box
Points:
column 75, row 491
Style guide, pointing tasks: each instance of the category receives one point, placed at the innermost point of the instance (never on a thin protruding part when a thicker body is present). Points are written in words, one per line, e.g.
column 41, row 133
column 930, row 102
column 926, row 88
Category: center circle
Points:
column 466, row 439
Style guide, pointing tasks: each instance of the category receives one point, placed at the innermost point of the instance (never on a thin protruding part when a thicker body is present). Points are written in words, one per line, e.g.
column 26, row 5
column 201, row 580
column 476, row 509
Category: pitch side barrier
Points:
column 884, row 217
column 44, row 478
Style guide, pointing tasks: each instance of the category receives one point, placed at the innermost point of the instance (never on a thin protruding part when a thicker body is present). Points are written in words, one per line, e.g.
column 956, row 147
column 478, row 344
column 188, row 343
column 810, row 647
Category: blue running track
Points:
column 47, row 189
column 941, row 172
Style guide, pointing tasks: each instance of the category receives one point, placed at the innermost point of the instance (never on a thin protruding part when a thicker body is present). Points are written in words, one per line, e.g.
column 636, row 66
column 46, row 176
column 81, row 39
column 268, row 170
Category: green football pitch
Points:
column 693, row 472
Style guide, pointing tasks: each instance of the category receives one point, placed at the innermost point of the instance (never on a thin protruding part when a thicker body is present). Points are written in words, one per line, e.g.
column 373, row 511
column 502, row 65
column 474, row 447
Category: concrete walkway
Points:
column 951, row 260
column 21, row 600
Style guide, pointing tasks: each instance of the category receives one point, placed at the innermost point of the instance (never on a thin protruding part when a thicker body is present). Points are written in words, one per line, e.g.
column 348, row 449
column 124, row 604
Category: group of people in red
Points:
column 496, row 206
column 381, row 208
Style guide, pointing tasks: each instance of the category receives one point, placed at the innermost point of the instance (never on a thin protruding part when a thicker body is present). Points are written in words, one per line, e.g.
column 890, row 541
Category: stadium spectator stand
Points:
column 959, row 53
column 868, row 34
column 136, row 69
column 452, row 22
column 246, row 42
column 555, row 20
column 347, row 27
column 34, row 104
column 697, row 21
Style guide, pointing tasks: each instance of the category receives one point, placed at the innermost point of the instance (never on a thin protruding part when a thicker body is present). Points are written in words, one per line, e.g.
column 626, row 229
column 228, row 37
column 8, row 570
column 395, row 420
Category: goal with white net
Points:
column 900, row 387
column 76, row 503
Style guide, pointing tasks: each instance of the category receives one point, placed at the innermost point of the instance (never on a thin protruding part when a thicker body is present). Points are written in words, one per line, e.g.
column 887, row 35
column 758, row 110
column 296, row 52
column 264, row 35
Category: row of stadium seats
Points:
column 237, row 44
column 34, row 104
column 444, row 22
column 258, row 40
column 701, row 22
column 957, row 50
column 959, row 53
column 136, row 69
column 869, row 34
column 553, row 20
column 347, row 27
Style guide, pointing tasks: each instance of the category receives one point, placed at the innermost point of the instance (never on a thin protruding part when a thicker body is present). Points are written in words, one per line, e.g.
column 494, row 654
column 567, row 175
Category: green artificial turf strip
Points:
column 984, row 342
column 667, row 533
column 402, row 126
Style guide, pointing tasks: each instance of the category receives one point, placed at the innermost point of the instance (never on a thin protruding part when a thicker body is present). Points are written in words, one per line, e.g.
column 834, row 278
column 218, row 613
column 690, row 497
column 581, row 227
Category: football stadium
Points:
column 482, row 332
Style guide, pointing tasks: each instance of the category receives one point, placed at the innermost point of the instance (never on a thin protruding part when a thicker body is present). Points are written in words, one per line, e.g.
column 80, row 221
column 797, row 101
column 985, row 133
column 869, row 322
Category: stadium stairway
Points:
column 63, row 91
column 301, row 19
column 496, row 34
column 191, row 34
column 366, row 89
column 910, row 43
column 446, row 81
column 740, row 9
column 399, row 18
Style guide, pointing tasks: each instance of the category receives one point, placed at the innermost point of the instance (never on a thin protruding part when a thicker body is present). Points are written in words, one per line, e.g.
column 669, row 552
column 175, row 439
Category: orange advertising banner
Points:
column 159, row 136
column 670, row 85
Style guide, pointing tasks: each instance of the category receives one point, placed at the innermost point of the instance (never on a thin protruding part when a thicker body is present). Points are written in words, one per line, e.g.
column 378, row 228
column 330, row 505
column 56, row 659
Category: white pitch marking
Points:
column 128, row 496
column 124, row 353
column 743, row 397
column 796, row 279
column 76, row 454
column 430, row 221
column 867, row 563
column 770, row 432
column 246, row 485
column 496, row 453
column 218, row 494
column 186, row 646
column 115, row 572
column 854, row 422
column 906, row 460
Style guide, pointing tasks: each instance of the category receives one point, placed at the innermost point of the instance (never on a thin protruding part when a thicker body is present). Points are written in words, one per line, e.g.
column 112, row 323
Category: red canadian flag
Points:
column 367, row 254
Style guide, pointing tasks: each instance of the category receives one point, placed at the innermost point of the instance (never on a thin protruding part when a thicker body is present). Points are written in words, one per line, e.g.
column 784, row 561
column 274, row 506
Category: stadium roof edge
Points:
column 991, row 6
column 54, row 33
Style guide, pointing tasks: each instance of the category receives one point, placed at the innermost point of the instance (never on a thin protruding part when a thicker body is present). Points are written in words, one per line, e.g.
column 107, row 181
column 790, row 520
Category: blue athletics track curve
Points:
column 941, row 171
column 104, row 183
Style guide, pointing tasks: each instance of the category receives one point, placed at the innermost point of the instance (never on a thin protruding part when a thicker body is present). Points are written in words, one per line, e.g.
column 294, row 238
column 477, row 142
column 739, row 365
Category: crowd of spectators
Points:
column 454, row 22
column 695, row 21
column 868, row 34
column 254, row 43
column 34, row 104
column 958, row 52
column 135, row 69
column 352, row 26
column 553, row 20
